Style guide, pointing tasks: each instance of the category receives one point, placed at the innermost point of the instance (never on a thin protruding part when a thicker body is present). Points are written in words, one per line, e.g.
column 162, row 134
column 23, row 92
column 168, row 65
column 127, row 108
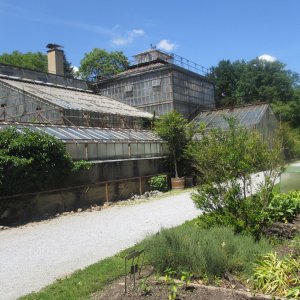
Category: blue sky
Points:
column 202, row 31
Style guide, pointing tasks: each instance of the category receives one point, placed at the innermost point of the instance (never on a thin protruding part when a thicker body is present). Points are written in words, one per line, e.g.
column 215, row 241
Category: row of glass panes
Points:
column 95, row 151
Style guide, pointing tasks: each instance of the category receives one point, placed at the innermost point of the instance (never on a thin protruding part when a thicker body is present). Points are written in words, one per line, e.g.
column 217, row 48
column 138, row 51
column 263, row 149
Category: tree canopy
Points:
column 33, row 60
column 242, row 82
column 100, row 63
column 175, row 130
column 258, row 80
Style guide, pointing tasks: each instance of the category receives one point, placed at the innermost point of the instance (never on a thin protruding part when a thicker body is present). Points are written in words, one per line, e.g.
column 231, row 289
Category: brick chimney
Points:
column 55, row 59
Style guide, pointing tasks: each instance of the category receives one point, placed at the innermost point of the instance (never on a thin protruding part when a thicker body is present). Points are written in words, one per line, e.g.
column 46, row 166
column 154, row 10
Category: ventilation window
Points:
column 156, row 82
column 128, row 88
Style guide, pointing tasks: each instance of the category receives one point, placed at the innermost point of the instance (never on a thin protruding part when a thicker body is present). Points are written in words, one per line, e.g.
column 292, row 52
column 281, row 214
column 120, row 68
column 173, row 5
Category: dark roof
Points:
column 248, row 116
column 74, row 99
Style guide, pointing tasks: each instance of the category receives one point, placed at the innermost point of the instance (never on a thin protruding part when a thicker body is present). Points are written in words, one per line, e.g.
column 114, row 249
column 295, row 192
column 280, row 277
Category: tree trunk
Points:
column 175, row 164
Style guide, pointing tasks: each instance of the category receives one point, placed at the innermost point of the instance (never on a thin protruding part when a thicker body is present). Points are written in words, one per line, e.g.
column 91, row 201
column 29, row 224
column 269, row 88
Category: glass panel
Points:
column 134, row 149
column 92, row 151
column 111, row 152
column 119, row 150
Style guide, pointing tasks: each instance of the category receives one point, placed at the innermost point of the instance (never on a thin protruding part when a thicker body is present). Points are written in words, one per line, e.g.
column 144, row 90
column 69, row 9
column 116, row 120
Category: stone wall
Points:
column 107, row 181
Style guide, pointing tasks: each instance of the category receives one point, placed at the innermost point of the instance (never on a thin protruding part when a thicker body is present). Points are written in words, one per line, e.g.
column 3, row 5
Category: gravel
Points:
column 34, row 255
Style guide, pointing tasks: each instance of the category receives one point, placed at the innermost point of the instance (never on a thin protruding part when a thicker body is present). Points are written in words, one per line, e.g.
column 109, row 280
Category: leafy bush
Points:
column 277, row 277
column 177, row 132
column 226, row 160
column 284, row 207
column 209, row 252
column 158, row 183
column 31, row 161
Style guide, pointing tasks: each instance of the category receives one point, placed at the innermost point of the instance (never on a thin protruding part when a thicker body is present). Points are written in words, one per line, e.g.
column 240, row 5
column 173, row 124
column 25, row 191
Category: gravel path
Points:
column 34, row 255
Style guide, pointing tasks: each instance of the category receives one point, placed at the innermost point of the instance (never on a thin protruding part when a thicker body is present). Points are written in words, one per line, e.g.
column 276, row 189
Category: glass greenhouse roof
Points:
column 86, row 134
column 247, row 116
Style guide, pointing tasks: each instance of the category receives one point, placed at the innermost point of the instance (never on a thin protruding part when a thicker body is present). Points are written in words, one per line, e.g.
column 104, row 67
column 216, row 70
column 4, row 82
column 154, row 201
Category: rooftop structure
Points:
column 28, row 75
column 257, row 116
column 25, row 101
column 159, row 83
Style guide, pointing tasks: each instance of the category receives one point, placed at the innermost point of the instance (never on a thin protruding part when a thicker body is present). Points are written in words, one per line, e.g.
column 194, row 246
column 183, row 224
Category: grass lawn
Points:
column 82, row 283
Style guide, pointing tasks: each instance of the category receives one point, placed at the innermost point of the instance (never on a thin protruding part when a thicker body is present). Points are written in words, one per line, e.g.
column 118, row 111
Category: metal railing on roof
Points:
column 178, row 61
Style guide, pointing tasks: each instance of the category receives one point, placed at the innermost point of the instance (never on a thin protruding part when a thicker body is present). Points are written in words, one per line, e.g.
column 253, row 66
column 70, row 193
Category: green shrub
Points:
column 31, row 161
column 158, row 183
column 202, row 252
column 284, row 207
column 277, row 276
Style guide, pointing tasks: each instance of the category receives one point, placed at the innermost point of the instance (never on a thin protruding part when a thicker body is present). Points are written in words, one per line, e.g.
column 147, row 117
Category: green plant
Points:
column 186, row 277
column 170, row 281
column 159, row 183
column 175, row 130
column 276, row 276
column 145, row 288
column 282, row 208
column 226, row 160
column 202, row 252
column 293, row 293
column 31, row 161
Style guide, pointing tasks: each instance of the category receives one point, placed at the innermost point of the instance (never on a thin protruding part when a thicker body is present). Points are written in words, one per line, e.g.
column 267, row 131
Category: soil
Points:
column 228, row 288
column 159, row 290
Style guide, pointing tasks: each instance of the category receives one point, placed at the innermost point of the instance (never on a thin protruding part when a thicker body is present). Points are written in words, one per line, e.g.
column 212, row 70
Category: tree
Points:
column 226, row 160
column 175, row 130
column 258, row 80
column 100, row 64
column 68, row 68
column 35, row 61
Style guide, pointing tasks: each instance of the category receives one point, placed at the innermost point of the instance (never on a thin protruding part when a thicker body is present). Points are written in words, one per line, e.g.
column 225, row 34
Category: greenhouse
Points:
column 259, row 117
column 290, row 178
column 90, row 143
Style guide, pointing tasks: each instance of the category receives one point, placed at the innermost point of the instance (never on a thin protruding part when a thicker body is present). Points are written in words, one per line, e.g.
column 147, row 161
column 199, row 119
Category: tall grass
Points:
column 200, row 251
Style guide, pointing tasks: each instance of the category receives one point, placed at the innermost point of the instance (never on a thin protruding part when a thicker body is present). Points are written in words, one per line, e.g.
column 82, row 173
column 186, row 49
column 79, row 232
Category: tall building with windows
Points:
column 158, row 83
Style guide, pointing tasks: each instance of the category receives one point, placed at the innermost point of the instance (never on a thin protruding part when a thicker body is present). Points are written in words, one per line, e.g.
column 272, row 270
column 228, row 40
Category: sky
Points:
column 202, row 31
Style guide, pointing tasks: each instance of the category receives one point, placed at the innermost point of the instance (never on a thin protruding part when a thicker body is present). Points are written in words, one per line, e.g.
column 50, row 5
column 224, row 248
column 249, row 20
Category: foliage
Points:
column 33, row 60
column 202, row 252
column 158, row 183
column 290, row 141
column 170, row 281
column 81, row 284
column 100, row 64
column 243, row 82
column 31, row 161
column 226, row 160
column 275, row 276
column 68, row 68
column 284, row 207
column 145, row 287
column 175, row 130
column 257, row 80
column 186, row 278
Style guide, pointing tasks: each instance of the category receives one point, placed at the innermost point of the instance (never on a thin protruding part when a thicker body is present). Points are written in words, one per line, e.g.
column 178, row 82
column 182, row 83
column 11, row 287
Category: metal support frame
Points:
column 135, row 266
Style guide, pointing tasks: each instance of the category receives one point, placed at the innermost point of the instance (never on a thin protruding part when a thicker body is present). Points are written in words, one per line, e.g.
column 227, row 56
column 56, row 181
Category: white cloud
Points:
column 166, row 45
column 128, row 38
column 267, row 57
column 75, row 69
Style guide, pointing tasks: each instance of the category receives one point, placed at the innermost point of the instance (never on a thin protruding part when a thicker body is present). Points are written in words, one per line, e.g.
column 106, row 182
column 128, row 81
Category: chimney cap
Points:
column 54, row 46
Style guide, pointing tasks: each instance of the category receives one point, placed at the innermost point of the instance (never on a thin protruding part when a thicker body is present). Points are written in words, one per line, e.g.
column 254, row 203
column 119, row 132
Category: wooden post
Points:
column 140, row 180
column 106, row 190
